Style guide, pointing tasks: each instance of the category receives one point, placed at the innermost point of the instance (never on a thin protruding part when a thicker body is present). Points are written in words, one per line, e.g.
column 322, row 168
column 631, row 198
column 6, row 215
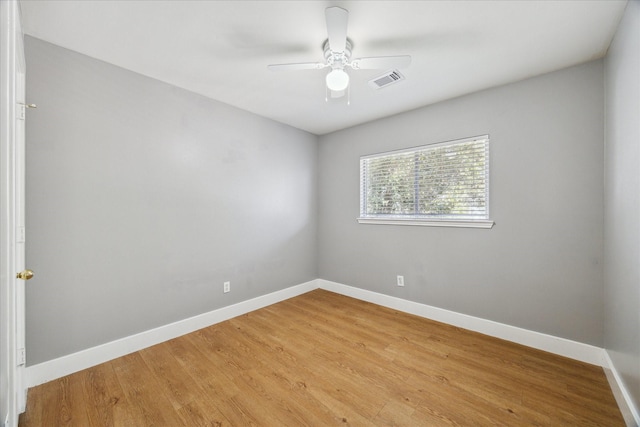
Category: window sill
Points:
column 484, row 223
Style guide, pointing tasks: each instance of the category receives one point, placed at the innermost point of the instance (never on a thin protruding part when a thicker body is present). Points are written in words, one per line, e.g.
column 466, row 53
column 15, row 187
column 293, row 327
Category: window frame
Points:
column 430, row 221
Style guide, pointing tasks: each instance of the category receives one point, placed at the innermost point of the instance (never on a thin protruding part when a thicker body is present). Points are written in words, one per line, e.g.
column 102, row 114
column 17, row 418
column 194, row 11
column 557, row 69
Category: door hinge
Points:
column 22, row 110
column 22, row 356
column 21, row 235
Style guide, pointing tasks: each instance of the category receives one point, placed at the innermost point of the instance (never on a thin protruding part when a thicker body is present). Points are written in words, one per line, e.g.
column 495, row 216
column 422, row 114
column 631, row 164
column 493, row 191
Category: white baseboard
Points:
column 625, row 402
column 564, row 347
column 65, row 365
column 561, row 346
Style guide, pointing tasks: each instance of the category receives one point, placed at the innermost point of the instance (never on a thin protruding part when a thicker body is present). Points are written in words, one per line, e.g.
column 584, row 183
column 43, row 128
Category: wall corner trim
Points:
column 630, row 412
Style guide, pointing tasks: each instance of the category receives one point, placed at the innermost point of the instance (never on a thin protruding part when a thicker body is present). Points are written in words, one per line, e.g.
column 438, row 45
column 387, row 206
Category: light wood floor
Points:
column 322, row 359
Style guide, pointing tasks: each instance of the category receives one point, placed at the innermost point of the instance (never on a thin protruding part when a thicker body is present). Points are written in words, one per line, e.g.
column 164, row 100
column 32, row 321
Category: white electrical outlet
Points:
column 227, row 287
column 400, row 280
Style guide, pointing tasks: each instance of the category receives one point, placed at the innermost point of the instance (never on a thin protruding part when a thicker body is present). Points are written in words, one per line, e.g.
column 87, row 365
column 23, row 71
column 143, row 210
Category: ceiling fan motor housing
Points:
column 337, row 60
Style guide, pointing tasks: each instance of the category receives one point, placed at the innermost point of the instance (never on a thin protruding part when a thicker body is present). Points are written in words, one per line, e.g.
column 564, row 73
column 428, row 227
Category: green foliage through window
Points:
column 439, row 181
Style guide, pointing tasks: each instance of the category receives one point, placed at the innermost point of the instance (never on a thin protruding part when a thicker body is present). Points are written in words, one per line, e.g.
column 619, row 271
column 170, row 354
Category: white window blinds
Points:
column 444, row 181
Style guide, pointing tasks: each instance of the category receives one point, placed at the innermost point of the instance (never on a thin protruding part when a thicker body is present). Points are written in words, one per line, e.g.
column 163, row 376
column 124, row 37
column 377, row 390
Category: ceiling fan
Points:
column 337, row 54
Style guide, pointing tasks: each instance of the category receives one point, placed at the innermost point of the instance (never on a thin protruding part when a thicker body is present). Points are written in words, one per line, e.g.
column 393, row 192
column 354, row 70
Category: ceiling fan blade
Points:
column 337, row 18
column 299, row 66
column 381, row 62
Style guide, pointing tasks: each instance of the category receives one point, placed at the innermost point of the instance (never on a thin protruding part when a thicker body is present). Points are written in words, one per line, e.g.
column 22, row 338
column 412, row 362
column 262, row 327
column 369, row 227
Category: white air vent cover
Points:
column 386, row 79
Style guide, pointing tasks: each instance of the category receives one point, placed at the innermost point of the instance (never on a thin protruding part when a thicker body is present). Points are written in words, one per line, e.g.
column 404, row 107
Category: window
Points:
column 444, row 184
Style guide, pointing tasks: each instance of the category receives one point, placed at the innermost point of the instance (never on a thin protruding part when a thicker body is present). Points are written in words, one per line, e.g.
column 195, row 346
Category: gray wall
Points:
column 622, row 201
column 143, row 198
column 540, row 267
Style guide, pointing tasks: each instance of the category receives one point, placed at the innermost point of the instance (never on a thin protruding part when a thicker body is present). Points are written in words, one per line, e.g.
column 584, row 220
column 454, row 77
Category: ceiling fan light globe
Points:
column 337, row 80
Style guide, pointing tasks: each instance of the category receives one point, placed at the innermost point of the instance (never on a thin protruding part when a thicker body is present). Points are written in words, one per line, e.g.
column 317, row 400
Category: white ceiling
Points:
column 221, row 49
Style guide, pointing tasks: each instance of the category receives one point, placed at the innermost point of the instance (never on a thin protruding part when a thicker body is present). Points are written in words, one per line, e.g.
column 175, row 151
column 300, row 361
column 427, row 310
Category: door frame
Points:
column 12, row 390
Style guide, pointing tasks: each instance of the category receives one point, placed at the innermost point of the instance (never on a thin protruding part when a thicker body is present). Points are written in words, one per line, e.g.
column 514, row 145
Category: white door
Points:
column 12, row 391
column 22, row 275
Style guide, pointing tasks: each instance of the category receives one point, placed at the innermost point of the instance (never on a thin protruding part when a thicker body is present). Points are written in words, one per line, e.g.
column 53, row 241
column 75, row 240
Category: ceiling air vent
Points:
column 386, row 79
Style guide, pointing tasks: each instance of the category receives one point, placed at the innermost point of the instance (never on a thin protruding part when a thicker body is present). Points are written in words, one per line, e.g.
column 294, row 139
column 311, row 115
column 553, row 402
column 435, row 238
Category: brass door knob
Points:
column 25, row 275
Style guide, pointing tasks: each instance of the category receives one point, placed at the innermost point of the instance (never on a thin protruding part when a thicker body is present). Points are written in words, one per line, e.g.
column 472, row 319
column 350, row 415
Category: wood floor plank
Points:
column 100, row 399
column 147, row 402
column 175, row 383
column 323, row 359
column 198, row 413
column 65, row 403
column 120, row 406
